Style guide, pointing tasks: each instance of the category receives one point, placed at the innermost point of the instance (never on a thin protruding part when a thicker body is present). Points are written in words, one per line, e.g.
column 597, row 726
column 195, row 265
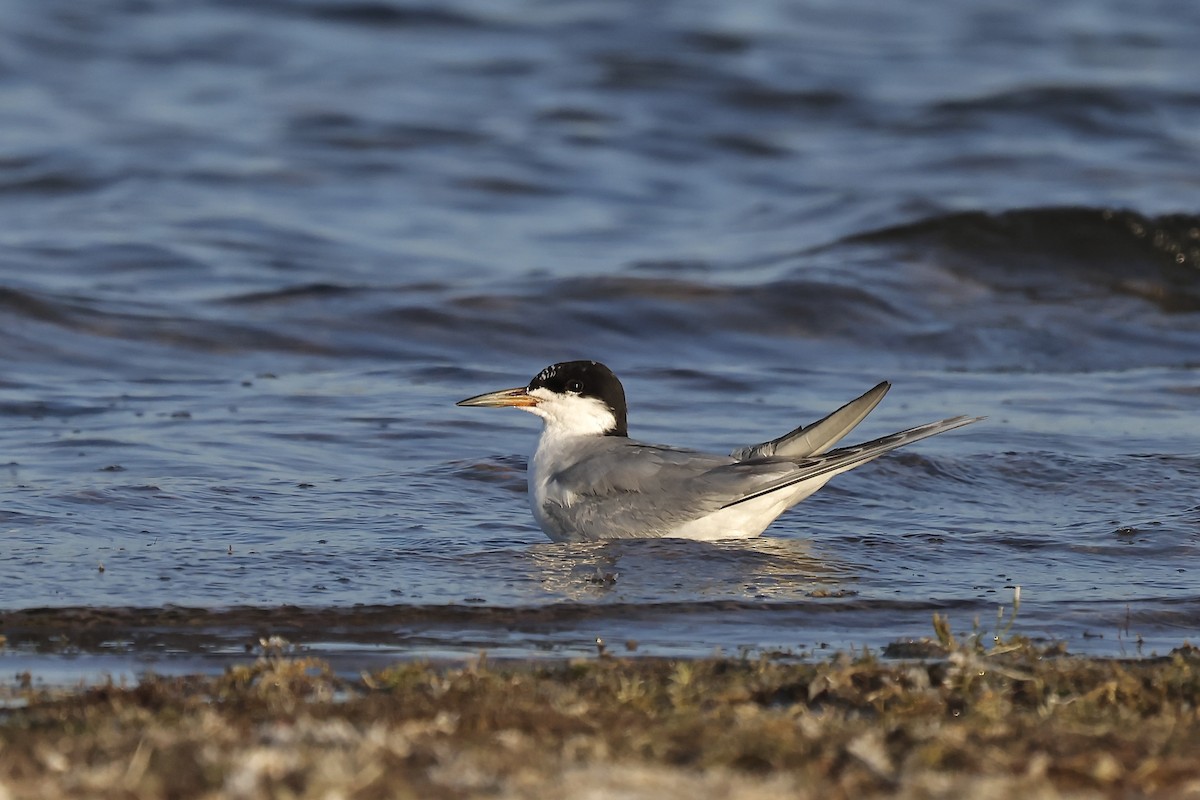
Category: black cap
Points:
column 586, row 379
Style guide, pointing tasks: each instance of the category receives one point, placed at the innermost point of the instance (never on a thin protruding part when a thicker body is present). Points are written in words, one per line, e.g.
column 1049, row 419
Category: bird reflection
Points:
column 683, row 570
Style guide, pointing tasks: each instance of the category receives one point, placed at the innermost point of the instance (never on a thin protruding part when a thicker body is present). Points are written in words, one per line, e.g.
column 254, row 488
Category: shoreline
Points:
column 969, row 722
column 177, row 639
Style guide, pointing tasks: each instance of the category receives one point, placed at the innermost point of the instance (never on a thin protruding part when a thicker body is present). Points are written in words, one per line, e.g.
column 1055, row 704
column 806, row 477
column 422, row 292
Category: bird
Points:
column 588, row 481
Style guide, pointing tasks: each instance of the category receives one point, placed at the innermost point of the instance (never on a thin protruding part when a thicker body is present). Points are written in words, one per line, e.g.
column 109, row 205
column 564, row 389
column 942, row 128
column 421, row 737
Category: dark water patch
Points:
column 780, row 100
column 10, row 517
column 746, row 145
column 342, row 130
column 631, row 70
column 784, row 308
column 1025, row 543
column 1040, row 252
column 698, row 381
column 317, row 292
column 197, row 335
column 912, row 468
column 51, row 173
column 440, row 374
column 42, row 409
column 87, row 442
column 507, row 186
column 507, row 472
column 418, row 323
column 33, row 306
column 1087, row 110
column 79, row 329
column 381, row 14
column 714, row 41
column 576, row 115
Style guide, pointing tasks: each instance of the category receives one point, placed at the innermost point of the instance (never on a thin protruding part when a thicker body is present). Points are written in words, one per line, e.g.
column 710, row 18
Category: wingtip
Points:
column 950, row 423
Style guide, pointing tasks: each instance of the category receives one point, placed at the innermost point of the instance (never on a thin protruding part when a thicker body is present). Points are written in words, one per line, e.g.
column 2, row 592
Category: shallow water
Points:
column 252, row 255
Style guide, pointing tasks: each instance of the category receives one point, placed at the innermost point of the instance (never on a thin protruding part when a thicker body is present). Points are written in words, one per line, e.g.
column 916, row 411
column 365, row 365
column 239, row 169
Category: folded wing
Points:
column 623, row 488
column 819, row 437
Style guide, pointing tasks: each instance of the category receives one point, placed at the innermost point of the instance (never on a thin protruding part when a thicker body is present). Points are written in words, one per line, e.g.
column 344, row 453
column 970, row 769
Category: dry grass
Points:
column 974, row 723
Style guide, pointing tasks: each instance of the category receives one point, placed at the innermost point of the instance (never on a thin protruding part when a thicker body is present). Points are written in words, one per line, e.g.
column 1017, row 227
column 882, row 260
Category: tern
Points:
column 589, row 481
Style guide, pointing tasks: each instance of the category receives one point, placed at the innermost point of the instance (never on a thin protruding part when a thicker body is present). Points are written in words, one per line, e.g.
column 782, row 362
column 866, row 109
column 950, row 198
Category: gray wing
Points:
column 624, row 488
column 821, row 435
column 846, row 458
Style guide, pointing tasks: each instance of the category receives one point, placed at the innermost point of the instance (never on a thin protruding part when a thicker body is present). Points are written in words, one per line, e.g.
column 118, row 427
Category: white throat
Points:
column 569, row 415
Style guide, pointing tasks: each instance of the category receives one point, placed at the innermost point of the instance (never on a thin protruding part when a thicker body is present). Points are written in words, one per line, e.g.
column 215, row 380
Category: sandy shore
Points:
column 965, row 723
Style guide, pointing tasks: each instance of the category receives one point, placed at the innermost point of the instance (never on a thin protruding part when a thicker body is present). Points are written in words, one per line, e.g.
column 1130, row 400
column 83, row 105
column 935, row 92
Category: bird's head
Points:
column 580, row 398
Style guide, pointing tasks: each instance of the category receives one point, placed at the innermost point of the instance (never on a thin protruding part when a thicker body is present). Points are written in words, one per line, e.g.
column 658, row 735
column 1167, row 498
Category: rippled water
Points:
column 253, row 253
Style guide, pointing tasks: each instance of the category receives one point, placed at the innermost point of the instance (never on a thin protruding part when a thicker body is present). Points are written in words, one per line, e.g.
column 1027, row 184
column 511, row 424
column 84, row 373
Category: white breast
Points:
column 571, row 421
column 552, row 456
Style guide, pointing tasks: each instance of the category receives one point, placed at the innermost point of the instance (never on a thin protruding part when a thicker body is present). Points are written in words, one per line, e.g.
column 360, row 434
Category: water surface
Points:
column 252, row 255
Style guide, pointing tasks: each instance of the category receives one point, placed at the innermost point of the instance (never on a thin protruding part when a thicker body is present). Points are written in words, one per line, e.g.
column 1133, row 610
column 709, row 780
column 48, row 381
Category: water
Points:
column 253, row 253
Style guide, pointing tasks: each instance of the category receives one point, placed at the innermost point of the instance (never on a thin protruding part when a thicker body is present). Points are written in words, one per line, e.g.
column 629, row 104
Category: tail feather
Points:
column 846, row 458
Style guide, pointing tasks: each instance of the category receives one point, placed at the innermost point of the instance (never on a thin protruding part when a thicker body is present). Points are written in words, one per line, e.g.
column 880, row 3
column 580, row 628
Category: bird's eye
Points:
column 575, row 386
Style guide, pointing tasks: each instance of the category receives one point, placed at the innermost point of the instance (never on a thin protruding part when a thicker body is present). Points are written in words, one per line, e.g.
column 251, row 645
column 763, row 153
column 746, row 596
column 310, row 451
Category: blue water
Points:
column 251, row 255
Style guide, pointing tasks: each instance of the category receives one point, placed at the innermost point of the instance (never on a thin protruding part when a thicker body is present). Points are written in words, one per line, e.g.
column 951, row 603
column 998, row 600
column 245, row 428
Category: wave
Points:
column 1039, row 288
column 1156, row 258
